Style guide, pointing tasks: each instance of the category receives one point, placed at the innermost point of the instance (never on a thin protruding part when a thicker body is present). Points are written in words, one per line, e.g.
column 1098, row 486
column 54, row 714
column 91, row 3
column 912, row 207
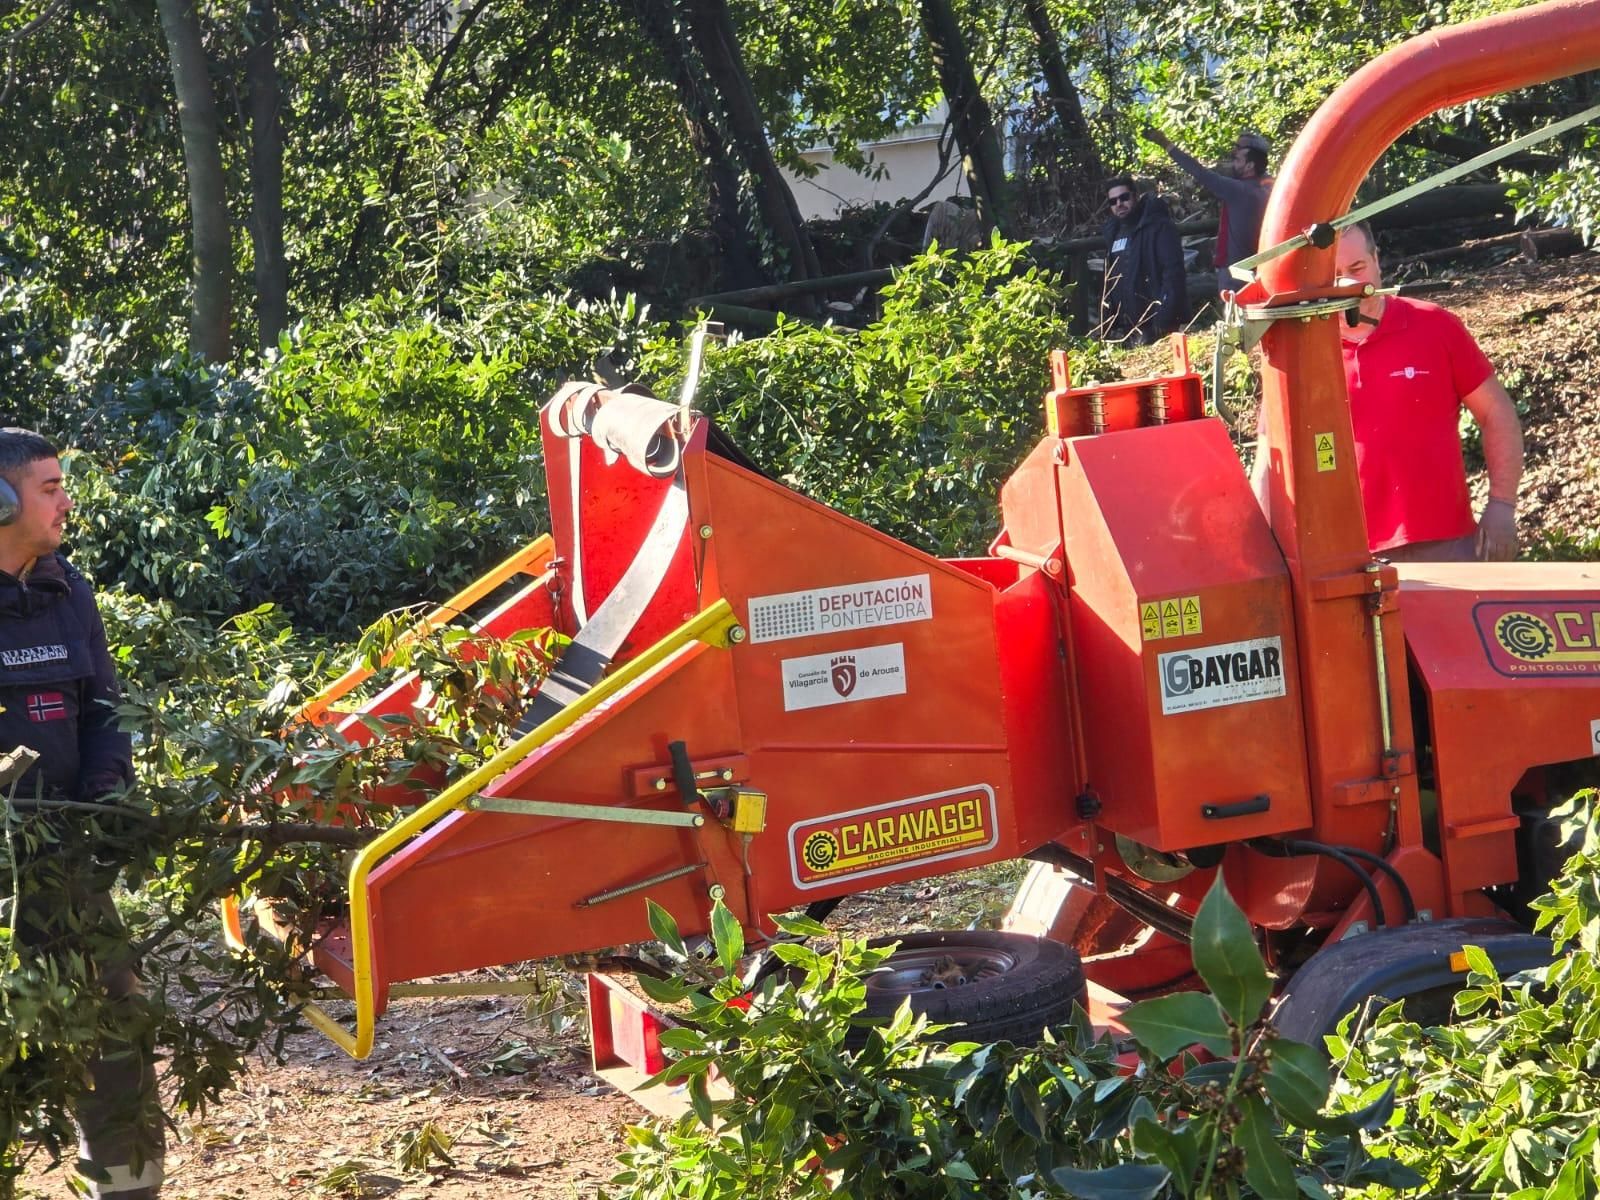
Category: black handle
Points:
column 683, row 772
column 1239, row 808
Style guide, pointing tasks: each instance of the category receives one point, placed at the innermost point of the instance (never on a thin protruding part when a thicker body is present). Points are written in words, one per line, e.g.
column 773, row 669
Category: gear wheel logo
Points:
column 1524, row 635
column 820, row 850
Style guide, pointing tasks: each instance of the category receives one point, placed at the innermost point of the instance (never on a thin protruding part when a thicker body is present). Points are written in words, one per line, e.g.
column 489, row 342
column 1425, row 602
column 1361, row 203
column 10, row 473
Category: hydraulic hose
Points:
column 1407, row 901
column 1290, row 848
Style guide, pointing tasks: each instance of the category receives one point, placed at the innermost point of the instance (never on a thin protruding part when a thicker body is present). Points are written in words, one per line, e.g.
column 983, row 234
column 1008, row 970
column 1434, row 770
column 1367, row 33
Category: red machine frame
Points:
column 1144, row 667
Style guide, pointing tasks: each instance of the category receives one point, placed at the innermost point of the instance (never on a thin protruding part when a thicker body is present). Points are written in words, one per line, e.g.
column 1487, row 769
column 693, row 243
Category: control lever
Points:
column 683, row 775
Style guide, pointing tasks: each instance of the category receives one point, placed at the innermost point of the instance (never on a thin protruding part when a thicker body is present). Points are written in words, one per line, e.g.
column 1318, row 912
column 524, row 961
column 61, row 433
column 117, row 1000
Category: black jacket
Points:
column 58, row 685
column 1146, row 294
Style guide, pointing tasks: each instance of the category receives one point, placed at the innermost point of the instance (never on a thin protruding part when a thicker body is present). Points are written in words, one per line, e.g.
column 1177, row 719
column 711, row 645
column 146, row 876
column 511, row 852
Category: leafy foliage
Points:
column 231, row 796
column 1504, row 1099
column 376, row 460
column 911, row 424
column 780, row 1108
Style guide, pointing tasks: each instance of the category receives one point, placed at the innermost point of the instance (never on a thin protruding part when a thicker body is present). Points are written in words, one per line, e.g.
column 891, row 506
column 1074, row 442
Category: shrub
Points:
column 807, row 1117
column 912, row 423
column 373, row 462
column 1506, row 1098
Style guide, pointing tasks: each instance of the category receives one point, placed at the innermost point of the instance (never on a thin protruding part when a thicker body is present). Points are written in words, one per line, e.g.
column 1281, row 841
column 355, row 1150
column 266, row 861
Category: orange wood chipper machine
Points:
column 1145, row 682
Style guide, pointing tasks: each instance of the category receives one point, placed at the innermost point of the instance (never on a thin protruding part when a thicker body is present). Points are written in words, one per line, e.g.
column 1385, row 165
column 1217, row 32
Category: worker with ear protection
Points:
column 58, row 689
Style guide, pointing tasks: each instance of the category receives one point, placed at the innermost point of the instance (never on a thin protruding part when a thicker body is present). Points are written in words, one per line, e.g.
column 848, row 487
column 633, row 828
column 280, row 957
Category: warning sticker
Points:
column 887, row 837
column 1325, row 459
column 1177, row 617
column 1171, row 619
column 1216, row 676
column 1537, row 638
column 849, row 675
column 1150, row 620
column 1190, row 606
column 841, row 608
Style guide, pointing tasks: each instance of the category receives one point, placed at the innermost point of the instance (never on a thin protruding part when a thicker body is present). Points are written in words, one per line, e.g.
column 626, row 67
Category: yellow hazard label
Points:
column 1177, row 617
column 1325, row 458
column 1171, row 619
column 1150, row 620
column 1190, row 607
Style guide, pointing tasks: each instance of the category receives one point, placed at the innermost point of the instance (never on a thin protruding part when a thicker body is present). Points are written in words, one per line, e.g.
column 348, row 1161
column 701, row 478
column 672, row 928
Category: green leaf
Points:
column 1386, row 1172
column 1479, row 962
column 1027, row 1110
column 1218, row 1071
column 1266, row 1167
column 801, row 926
column 1169, row 1024
column 1174, row 1146
column 1129, row 1181
column 1371, row 1118
column 664, row 991
column 960, row 1170
column 1226, row 957
column 665, row 928
column 728, row 937
column 800, row 956
column 1297, row 1081
column 681, row 1038
column 700, row 1101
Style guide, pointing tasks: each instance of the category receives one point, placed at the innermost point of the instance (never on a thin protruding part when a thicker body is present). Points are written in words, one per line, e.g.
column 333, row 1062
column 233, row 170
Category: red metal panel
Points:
column 875, row 707
column 1510, row 657
column 1164, row 516
column 1041, row 733
column 600, row 514
column 1030, row 501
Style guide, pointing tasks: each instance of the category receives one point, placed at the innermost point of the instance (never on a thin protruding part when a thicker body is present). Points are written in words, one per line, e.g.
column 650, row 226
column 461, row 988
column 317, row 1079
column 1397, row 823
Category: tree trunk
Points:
column 210, row 323
column 981, row 156
column 712, row 32
column 266, row 172
column 1083, row 157
column 740, row 258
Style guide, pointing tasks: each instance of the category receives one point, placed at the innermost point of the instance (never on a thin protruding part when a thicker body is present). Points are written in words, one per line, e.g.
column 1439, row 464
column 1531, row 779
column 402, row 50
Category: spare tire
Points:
column 990, row 987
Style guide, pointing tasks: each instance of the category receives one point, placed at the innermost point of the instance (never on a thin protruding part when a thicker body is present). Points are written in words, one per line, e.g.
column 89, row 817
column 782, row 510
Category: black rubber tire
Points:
column 1009, row 988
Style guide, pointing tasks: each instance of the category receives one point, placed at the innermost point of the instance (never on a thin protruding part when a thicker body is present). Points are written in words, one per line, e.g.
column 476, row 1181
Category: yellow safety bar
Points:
column 528, row 560
column 717, row 626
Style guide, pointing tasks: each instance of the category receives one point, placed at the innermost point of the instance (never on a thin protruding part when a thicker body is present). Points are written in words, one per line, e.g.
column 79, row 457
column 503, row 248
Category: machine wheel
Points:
column 1410, row 963
column 994, row 986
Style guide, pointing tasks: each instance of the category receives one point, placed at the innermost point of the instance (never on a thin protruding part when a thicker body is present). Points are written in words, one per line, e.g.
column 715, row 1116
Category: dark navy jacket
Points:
column 58, row 685
column 1146, row 293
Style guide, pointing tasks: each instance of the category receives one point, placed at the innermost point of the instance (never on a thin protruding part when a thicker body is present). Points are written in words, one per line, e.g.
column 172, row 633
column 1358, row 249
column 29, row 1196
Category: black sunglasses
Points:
column 1120, row 197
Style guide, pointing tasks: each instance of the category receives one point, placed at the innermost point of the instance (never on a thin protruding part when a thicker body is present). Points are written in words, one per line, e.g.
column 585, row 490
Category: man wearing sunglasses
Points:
column 1145, row 296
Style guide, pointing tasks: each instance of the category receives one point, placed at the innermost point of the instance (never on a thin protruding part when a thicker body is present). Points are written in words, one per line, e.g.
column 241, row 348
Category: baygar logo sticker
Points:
column 1216, row 676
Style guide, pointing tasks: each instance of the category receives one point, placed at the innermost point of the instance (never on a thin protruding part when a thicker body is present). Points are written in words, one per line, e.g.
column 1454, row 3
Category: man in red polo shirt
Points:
column 1410, row 368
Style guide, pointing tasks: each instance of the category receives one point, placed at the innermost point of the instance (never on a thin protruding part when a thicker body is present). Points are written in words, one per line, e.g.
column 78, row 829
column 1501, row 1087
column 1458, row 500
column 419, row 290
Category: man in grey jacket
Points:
column 1243, row 196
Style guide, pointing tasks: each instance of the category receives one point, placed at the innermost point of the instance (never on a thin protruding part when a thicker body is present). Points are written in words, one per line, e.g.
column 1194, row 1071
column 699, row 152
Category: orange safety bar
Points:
column 530, row 560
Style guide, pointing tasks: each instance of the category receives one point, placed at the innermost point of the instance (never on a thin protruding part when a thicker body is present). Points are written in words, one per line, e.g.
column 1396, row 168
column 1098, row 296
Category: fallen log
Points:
column 1533, row 244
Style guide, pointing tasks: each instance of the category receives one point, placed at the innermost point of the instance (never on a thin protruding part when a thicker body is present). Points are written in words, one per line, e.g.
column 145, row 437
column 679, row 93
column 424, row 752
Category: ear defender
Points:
column 10, row 504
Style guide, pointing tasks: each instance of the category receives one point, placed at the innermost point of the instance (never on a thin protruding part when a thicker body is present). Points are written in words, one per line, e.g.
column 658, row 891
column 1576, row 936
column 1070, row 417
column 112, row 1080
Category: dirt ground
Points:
column 525, row 1118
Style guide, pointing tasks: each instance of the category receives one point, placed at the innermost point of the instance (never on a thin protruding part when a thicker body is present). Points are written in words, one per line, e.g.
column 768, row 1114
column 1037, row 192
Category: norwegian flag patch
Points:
column 47, row 706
